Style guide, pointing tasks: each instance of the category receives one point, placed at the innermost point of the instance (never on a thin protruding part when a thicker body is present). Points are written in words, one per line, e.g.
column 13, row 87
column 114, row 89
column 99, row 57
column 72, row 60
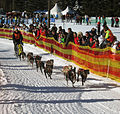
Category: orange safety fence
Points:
column 103, row 62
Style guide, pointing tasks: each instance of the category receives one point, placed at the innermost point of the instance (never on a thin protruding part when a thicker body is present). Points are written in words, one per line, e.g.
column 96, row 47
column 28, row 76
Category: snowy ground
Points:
column 26, row 91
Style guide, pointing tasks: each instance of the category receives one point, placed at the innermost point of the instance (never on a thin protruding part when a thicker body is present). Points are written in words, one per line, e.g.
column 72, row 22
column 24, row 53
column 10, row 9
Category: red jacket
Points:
column 76, row 40
column 117, row 20
column 39, row 31
column 93, row 46
column 43, row 33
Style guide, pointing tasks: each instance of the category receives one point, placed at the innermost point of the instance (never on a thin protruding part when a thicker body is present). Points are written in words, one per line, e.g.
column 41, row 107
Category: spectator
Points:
column 63, row 18
column 44, row 32
column 96, row 19
column 69, row 37
column 76, row 39
column 117, row 22
column 60, row 29
column 87, row 20
column 54, row 35
column 87, row 35
column 96, row 44
column 83, row 18
column 80, row 37
column 80, row 20
column 77, row 19
column 115, row 44
column 54, row 28
column 109, row 37
column 31, row 28
column 93, row 30
column 83, row 41
column 91, row 37
column 118, row 46
column 49, row 33
column 59, row 37
column 39, row 31
column 105, row 23
column 64, row 34
column 63, row 39
column 101, row 40
column 108, row 32
column 112, row 22
column 98, row 26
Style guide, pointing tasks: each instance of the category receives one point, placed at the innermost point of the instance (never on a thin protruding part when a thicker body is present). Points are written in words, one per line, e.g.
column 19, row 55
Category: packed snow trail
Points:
column 29, row 92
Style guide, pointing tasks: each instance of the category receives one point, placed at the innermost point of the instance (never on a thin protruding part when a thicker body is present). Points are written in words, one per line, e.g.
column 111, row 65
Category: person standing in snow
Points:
column 69, row 37
column 87, row 20
column 117, row 22
column 98, row 27
column 76, row 39
column 112, row 22
column 96, row 19
column 54, row 28
column 80, row 37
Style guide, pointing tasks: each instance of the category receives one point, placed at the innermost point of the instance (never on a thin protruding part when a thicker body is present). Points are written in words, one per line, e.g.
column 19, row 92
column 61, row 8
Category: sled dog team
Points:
column 47, row 67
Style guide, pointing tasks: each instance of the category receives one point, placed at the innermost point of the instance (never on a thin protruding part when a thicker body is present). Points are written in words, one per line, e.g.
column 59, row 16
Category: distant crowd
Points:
column 93, row 38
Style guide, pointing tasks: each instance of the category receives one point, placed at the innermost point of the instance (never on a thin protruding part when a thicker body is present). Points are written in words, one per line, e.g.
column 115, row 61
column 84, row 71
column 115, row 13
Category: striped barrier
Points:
column 103, row 62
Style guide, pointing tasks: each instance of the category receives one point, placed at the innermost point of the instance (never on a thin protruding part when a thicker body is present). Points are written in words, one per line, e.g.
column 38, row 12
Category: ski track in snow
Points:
column 29, row 92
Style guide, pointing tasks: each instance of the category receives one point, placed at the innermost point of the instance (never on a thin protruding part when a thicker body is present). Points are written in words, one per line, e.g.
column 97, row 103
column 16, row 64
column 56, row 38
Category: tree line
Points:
column 89, row 7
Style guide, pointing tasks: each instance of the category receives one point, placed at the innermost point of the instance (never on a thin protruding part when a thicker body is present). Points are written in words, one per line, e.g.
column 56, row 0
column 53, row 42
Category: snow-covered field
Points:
column 26, row 91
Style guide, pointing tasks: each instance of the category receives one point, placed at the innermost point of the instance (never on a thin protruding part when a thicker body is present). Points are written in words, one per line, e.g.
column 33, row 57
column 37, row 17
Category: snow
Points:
column 29, row 92
column 3, row 80
column 26, row 91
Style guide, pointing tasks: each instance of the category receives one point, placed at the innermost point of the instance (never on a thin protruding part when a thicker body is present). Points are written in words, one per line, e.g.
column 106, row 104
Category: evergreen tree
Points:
column 89, row 7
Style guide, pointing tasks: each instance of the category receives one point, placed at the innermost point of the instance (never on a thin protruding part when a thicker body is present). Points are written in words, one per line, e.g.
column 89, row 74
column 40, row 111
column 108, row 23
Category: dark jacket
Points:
column 55, row 36
column 54, row 28
column 69, row 38
column 17, row 37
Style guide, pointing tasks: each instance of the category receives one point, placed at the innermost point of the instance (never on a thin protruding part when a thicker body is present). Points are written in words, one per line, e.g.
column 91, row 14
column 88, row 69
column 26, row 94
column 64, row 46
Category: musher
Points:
column 17, row 40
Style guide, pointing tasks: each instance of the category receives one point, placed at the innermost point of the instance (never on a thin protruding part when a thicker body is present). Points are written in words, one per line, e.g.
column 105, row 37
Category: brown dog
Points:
column 49, row 68
column 30, row 58
column 83, row 74
column 70, row 74
column 39, row 63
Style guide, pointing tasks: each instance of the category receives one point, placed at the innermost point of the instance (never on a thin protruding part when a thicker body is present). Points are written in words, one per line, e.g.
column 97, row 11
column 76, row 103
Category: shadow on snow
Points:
column 55, row 101
column 53, row 89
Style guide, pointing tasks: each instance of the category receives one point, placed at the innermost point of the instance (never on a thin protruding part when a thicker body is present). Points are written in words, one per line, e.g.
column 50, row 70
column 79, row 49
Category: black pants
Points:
column 98, row 30
column 16, row 49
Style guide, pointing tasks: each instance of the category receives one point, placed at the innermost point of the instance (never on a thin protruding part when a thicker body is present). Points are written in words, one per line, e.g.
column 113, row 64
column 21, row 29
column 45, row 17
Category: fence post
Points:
column 108, row 69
